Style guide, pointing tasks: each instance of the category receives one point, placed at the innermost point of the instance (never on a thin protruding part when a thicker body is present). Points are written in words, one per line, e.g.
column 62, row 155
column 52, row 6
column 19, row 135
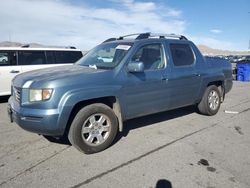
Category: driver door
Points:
column 144, row 92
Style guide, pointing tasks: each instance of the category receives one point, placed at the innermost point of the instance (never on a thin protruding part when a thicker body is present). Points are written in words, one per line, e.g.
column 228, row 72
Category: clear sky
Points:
column 222, row 24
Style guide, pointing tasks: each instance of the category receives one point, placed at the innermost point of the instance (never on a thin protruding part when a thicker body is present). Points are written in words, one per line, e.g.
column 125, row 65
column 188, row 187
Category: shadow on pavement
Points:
column 152, row 119
column 4, row 99
column 62, row 140
column 163, row 183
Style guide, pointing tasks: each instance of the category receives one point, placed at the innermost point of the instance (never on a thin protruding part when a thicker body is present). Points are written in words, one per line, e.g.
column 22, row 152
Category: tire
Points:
column 210, row 102
column 93, row 128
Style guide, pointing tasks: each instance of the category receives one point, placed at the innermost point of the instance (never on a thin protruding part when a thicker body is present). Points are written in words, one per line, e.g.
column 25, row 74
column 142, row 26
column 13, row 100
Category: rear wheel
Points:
column 210, row 103
column 93, row 128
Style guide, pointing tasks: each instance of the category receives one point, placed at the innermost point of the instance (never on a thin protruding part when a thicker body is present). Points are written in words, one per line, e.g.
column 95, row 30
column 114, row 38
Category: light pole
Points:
column 249, row 39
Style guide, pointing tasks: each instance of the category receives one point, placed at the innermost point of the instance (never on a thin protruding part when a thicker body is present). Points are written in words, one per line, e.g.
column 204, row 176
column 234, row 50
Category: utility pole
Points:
column 10, row 36
column 249, row 44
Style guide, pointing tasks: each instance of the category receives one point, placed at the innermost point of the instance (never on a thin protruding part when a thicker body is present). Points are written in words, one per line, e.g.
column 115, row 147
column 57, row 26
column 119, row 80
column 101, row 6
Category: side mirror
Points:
column 136, row 67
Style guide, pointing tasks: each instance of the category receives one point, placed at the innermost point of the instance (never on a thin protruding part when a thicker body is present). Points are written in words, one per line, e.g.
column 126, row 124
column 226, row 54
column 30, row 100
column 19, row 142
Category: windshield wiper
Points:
column 104, row 67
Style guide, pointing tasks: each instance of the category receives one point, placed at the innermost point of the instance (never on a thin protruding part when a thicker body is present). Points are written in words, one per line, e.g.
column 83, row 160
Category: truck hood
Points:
column 54, row 73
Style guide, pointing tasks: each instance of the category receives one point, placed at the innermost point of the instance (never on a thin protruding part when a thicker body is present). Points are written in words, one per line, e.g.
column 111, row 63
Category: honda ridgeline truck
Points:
column 120, row 79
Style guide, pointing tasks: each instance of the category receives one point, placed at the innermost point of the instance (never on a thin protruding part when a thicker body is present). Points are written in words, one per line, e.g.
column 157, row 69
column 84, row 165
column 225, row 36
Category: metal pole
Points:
column 10, row 36
column 249, row 39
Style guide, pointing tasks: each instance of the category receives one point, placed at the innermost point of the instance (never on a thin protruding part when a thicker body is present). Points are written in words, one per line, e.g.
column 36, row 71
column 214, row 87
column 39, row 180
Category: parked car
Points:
column 22, row 59
column 3, row 59
column 89, row 101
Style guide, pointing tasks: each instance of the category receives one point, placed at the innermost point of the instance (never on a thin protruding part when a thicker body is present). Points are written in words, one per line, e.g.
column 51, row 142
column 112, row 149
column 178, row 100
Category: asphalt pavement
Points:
column 179, row 148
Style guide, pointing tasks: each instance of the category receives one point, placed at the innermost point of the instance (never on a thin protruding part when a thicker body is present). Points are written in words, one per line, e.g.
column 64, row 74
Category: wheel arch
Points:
column 111, row 101
column 219, row 82
column 221, row 87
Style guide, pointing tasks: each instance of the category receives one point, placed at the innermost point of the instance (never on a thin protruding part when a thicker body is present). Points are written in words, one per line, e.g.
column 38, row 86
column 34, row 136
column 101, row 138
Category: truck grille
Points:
column 17, row 94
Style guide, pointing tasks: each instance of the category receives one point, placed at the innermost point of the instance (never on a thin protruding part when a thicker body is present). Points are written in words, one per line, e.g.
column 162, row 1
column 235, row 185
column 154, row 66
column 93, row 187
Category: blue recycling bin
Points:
column 243, row 72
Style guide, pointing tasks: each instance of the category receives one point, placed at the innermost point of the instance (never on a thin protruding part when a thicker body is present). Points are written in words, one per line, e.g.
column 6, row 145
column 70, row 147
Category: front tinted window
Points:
column 31, row 58
column 7, row 58
column 106, row 55
column 62, row 57
column 151, row 55
column 182, row 54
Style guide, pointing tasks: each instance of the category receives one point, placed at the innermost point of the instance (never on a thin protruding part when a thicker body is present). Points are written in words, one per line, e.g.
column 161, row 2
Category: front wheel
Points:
column 93, row 128
column 210, row 103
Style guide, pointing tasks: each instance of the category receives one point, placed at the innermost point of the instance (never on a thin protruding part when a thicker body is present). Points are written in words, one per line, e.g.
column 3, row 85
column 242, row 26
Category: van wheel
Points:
column 93, row 128
column 210, row 102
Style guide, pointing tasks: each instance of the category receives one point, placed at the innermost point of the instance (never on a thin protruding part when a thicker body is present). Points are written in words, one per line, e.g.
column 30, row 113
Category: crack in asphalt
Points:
column 30, row 168
column 140, row 157
column 7, row 131
column 240, row 103
column 245, row 110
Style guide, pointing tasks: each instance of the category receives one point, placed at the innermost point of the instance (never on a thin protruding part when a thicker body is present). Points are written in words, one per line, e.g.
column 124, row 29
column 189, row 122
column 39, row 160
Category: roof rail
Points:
column 148, row 35
column 135, row 34
column 25, row 46
column 172, row 35
column 122, row 37
column 109, row 40
column 30, row 46
column 70, row 47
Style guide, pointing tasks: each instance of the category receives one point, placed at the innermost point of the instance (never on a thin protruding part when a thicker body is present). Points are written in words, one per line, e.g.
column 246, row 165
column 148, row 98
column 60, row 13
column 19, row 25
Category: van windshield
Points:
column 105, row 56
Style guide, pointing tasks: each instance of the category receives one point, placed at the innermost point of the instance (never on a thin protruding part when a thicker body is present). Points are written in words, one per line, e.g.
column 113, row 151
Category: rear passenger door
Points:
column 184, row 79
column 31, row 60
column 66, row 57
column 8, row 70
column 38, row 59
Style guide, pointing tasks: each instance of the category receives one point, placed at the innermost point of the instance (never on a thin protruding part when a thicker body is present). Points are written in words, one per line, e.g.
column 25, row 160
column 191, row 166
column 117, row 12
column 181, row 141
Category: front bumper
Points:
column 41, row 121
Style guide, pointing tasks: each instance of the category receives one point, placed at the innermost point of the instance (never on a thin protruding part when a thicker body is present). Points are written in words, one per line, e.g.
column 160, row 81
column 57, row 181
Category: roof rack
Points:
column 148, row 35
column 172, row 35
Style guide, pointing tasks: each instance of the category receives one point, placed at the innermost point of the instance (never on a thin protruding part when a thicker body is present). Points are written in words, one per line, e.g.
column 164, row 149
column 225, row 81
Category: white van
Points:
column 15, row 60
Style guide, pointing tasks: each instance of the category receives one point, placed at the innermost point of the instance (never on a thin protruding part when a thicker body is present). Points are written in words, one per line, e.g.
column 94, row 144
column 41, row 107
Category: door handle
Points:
column 14, row 71
column 197, row 74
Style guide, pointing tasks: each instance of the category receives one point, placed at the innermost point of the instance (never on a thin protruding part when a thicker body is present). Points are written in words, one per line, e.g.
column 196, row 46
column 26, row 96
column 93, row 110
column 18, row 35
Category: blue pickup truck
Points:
column 120, row 79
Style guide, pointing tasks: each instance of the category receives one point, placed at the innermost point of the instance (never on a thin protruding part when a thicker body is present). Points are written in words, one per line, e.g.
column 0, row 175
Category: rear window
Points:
column 62, row 57
column 182, row 54
column 31, row 58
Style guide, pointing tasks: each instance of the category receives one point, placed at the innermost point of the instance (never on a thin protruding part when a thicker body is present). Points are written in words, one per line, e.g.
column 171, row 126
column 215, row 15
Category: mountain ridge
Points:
column 205, row 50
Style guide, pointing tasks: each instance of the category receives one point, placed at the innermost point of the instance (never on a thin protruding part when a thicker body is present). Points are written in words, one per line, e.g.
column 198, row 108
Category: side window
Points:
column 67, row 56
column 50, row 57
column 31, row 58
column 182, row 54
column 7, row 58
column 151, row 55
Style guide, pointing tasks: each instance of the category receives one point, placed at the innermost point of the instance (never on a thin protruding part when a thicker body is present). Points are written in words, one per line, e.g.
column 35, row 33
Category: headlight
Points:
column 40, row 94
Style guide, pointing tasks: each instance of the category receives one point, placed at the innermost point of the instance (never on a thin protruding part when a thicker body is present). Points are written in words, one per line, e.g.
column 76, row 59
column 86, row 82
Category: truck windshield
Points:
column 105, row 56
